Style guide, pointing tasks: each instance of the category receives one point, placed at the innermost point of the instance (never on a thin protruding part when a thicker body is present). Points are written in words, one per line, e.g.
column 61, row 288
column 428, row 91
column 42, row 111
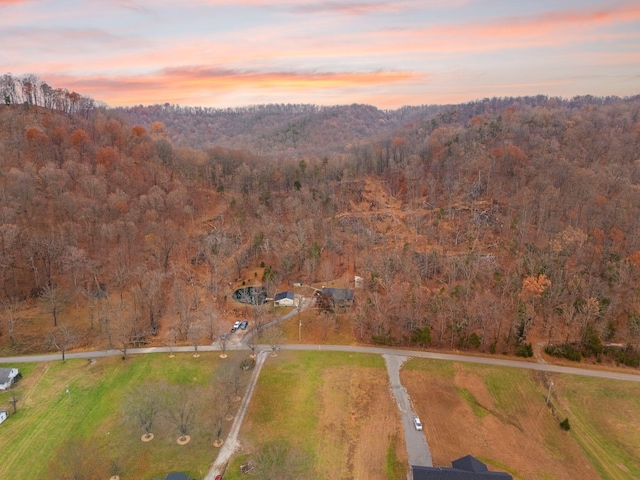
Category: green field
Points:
column 605, row 422
column 319, row 415
column 87, row 429
column 321, row 408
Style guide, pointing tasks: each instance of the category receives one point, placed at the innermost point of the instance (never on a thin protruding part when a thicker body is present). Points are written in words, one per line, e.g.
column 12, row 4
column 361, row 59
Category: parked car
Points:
column 417, row 423
column 218, row 477
column 243, row 325
column 235, row 327
column 224, row 336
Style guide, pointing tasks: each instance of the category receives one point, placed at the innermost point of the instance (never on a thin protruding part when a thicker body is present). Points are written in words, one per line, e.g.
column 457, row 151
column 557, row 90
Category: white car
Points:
column 235, row 327
column 418, row 424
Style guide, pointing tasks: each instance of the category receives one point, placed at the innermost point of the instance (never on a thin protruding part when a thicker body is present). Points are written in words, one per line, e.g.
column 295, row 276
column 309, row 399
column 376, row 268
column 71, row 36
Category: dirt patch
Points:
column 358, row 423
column 522, row 438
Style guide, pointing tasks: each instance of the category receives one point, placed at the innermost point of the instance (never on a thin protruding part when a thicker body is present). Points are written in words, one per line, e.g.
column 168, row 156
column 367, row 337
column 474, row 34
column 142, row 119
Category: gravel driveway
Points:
column 417, row 447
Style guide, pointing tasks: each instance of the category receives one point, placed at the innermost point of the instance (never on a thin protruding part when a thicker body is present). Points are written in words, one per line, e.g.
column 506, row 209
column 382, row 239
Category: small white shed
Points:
column 7, row 376
column 284, row 299
column 3, row 415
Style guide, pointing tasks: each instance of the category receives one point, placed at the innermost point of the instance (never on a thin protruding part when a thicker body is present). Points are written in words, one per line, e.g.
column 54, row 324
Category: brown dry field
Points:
column 337, row 406
column 359, row 418
column 515, row 432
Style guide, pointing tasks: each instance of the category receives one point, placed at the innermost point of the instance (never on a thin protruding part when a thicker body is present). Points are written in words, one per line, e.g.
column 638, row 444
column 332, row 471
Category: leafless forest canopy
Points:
column 490, row 225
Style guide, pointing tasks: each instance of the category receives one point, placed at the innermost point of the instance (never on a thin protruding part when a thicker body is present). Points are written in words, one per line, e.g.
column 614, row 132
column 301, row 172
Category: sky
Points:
column 229, row 53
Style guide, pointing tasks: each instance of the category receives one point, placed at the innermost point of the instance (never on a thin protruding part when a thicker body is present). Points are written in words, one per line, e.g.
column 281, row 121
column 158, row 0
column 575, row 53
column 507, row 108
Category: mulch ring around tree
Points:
column 218, row 443
column 147, row 438
column 183, row 440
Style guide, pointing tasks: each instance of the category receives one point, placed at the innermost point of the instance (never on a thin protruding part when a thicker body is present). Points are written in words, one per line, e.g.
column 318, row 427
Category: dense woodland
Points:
column 490, row 226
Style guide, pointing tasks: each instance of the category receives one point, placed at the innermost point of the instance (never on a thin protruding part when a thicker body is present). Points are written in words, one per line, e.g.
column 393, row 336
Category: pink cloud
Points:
column 539, row 26
column 171, row 84
column 349, row 8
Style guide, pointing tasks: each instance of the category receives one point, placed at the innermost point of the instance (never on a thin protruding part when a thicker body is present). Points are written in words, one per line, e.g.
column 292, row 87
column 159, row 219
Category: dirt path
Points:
column 417, row 448
column 231, row 444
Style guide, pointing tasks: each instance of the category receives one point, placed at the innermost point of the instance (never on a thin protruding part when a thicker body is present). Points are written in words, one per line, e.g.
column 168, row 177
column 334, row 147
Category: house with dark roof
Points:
column 341, row 297
column 284, row 299
column 465, row 468
column 177, row 476
column 7, row 377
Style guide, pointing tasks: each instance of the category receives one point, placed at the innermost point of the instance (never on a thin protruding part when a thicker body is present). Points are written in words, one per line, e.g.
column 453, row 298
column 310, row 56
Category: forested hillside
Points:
column 491, row 225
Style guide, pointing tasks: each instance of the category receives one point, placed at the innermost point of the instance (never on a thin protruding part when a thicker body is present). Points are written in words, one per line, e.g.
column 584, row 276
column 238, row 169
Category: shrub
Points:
column 386, row 339
column 474, row 340
column 563, row 350
column 421, row 336
column 564, row 424
column 592, row 345
column 524, row 350
column 626, row 356
column 247, row 364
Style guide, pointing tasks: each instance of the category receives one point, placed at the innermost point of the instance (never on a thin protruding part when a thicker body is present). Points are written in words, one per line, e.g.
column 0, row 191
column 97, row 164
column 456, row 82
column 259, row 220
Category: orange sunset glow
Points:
column 222, row 53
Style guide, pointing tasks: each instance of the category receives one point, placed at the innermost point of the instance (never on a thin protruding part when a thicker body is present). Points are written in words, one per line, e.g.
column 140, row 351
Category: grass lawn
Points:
column 87, row 429
column 500, row 416
column 605, row 422
column 334, row 410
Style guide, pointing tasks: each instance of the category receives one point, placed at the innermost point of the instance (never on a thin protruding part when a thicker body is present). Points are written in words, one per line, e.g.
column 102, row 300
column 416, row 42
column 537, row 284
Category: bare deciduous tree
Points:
column 180, row 406
column 62, row 338
column 273, row 336
column 11, row 316
column 143, row 406
column 55, row 299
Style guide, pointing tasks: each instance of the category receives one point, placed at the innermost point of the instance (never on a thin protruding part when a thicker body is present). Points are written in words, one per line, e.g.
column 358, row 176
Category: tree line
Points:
column 30, row 90
column 480, row 226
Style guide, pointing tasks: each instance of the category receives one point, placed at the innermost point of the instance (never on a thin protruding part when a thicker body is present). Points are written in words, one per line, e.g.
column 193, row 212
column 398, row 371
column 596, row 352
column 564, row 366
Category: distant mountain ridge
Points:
column 295, row 129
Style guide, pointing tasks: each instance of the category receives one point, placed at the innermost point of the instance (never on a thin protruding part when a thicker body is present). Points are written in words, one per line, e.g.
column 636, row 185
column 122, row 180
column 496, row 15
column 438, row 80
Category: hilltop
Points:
column 488, row 226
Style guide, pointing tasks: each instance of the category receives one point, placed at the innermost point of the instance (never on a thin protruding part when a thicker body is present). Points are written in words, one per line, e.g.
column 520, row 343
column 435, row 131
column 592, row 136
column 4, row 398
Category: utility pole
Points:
column 299, row 307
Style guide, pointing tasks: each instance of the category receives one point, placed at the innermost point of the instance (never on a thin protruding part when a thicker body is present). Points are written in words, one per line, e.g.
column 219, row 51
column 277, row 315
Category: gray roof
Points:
column 465, row 468
column 177, row 476
column 470, row 464
column 339, row 294
column 281, row 295
column 5, row 374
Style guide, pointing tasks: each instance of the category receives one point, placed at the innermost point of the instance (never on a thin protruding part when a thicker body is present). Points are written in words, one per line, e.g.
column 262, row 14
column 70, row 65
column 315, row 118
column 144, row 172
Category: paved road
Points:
column 501, row 362
column 417, row 448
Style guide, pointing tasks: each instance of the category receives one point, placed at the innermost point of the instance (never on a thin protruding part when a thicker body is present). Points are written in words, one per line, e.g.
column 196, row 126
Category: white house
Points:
column 7, row 376
column 3, row 415
column 284, row 299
